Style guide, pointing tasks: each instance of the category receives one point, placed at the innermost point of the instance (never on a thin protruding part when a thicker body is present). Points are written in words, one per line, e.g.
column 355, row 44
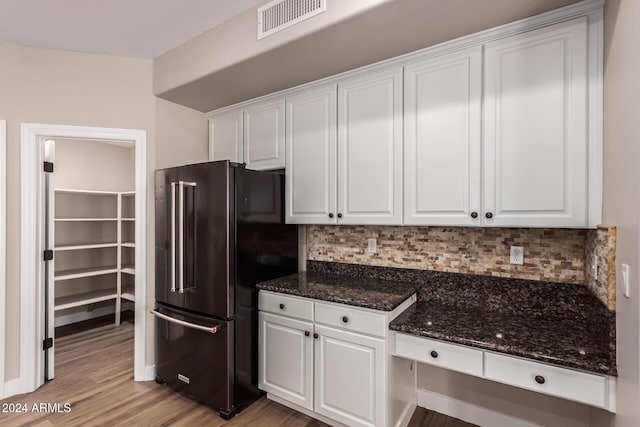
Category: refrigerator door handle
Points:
column 181, row 237
column 182, row 185
column 173, row 236
column 210, row 329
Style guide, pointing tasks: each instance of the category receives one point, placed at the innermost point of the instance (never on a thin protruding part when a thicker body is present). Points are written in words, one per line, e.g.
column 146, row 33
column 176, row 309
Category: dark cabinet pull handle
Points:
column 540, row 379
column 315, row 336
column 281, row 306
column 434, row 354
column 489, row 215
column 345, row 319
column 339, row 215
column 306, row 333
column 330, row 215
column 474, row 215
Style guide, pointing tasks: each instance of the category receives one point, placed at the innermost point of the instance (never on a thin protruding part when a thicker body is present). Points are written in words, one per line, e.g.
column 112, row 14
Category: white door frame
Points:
column 3, row 248
column 31, row 271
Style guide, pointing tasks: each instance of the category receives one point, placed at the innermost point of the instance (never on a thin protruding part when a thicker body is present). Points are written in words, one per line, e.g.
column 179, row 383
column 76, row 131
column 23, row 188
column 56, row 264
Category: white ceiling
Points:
column 138, row 28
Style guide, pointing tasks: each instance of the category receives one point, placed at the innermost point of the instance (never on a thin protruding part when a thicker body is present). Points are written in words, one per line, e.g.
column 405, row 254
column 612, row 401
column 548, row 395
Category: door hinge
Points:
column 48, row 166
column 48, row 255
column 47, row 343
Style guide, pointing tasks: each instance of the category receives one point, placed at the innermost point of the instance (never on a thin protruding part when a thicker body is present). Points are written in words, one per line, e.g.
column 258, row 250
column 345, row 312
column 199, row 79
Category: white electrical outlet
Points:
column 372, row 246
column 517, row 255
column 625, row 280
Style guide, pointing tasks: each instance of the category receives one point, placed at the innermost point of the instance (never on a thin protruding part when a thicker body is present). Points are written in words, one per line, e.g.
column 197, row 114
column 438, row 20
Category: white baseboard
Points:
column 407, row 413
column 67, row 319
column 467, row 411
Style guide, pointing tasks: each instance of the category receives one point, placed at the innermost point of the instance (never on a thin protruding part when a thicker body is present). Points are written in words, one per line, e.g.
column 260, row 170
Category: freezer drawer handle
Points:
column 210, row 329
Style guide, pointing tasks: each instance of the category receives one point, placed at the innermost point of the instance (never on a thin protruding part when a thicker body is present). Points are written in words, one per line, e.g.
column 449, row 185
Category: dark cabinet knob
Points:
column 315, row 336
column 339, row 215
column 434, row 354
column 306, row 333
column 474, row 215
column 281, row 306
column 345, row 319
column 330, row 215
column 540, row 379
column 489, row 215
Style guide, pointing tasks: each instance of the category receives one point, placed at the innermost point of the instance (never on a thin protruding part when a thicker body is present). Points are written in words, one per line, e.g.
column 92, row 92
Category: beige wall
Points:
column 621, row 191
column 94, row 165
column 235, row 41
column 60, row 87
column 228, row 64
column 181, row 135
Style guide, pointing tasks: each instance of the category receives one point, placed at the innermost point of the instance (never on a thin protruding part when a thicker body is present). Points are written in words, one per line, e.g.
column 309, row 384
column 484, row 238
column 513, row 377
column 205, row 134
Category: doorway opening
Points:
column 90, row 203
column 93, row 226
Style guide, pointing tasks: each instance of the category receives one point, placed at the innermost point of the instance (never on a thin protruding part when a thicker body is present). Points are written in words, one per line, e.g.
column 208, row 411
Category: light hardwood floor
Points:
column 94, row 373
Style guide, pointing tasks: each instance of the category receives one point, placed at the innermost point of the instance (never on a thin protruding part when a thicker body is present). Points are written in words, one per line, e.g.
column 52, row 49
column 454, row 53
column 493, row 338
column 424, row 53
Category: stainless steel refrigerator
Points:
column 219, row 231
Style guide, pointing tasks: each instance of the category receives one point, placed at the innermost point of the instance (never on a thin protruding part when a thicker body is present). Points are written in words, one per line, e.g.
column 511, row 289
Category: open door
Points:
column 48, row 147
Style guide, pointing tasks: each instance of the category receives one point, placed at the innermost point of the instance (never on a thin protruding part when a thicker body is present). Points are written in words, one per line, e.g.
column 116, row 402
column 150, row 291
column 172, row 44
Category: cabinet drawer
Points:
column 284, row 305
column 351, row 319
column 438, row 353
column 561, row 382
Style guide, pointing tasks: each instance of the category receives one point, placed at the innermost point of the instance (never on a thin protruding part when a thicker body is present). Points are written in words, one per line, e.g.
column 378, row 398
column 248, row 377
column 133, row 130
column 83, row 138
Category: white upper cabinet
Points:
column 442, row 130
column 264, row 135
column 370, row 148
column 535, row 128
column 310, row 173
column 499, row 129
column 225, row 136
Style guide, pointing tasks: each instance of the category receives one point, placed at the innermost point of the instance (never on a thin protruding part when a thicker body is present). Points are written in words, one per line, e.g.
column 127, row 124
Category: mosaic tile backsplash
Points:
column 555, row 255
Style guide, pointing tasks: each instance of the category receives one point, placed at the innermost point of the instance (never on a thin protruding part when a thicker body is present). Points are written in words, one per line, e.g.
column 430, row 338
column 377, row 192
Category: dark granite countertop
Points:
column 376, row 294
column 549, row 322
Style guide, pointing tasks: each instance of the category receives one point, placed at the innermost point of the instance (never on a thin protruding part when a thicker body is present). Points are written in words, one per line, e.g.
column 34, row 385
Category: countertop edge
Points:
column 609, row 370
column 330, row 298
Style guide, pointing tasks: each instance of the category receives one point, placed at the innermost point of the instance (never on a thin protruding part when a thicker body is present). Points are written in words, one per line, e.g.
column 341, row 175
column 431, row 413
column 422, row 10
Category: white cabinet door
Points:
column 225, row 136
column 535, row 140
column 349, row 377
column 286, row 359
column 442, row 129
column 370, row 149
column 264, row 135
column 311, row 157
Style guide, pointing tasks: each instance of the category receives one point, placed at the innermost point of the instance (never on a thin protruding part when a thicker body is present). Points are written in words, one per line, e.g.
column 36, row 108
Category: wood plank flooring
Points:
column 94, row 373
column 425, row 418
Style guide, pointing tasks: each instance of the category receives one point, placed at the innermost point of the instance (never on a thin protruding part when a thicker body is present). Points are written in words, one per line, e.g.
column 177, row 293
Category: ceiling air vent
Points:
column 280, row 14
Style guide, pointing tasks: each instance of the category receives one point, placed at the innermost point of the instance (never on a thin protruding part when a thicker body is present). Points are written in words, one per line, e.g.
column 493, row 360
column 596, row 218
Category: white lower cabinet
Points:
column 286, row 358
column 589, row 388
column 556, row 381
column 438, row 353
column 349, row 377
column 334, row 364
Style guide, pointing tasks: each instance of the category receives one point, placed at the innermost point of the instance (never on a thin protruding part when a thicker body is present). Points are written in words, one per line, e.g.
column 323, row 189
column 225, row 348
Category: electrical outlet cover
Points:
column 625, row 280
column 517, row 255
column 372, row 246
